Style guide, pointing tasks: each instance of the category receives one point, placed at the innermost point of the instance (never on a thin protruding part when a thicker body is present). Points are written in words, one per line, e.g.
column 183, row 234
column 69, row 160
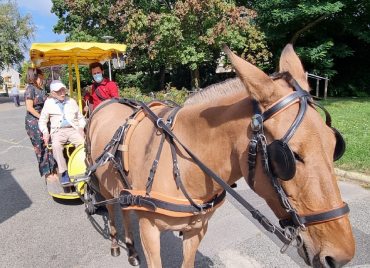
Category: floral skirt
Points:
column 44, row 155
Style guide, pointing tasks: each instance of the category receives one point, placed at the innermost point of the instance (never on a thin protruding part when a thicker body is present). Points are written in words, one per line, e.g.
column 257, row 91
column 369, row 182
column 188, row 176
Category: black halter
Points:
column 278, row 160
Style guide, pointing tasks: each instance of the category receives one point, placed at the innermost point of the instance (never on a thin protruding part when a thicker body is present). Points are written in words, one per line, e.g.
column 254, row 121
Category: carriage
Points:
column 75, row 54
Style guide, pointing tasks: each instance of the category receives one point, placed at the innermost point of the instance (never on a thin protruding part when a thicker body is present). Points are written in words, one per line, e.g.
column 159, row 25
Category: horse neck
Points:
column 216, row 132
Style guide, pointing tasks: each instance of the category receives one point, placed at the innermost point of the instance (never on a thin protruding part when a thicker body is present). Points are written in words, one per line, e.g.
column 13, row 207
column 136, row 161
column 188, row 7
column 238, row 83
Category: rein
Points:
column 291, row 227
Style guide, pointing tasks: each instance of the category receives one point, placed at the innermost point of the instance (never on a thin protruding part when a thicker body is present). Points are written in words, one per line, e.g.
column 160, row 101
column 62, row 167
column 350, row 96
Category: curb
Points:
column 352, row 175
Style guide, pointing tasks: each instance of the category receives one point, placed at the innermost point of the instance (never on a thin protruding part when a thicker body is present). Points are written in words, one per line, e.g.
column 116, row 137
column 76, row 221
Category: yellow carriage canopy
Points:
column 50, row 54
column 77, row 53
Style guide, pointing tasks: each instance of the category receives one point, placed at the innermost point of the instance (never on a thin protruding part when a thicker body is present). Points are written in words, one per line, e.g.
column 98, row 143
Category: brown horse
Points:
column 215, row 125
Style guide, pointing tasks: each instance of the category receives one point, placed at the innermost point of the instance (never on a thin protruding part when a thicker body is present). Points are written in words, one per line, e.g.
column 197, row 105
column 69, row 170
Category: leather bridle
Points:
column 295, row 222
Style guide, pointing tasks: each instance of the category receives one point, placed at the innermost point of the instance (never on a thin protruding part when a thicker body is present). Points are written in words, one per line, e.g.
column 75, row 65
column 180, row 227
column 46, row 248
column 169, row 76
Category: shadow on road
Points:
column 12, row 197
column 11, row 100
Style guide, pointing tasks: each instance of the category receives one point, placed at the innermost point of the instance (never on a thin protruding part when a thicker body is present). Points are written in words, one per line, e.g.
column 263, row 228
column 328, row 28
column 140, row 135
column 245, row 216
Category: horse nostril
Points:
column 331, row 262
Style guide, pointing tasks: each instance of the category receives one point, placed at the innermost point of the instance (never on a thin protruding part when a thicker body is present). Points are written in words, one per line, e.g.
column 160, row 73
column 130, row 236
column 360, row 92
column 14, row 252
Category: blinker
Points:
column 340, row 146
column 281, row 160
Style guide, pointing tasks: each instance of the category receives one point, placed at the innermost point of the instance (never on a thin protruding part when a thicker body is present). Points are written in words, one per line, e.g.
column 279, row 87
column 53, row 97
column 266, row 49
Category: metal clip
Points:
column 168, row 122
column 294, row 235
column 285, row 247
column 202, row 210
column 213, row 202
column 107, row 157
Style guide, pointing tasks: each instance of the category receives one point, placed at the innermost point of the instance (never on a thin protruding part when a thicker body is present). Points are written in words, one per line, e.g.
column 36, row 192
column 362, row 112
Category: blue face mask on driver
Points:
column 98, row 77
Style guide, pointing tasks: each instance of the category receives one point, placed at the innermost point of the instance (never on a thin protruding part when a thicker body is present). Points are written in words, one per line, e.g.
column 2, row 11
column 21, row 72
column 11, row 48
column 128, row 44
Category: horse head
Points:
column 311, row 187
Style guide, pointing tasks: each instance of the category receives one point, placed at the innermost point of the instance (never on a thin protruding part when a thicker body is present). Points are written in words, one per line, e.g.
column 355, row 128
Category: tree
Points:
column 84, row 20
column 23, row 70
column 161, row 33
column 188, row 32
column 15, row 33
column 328, row 36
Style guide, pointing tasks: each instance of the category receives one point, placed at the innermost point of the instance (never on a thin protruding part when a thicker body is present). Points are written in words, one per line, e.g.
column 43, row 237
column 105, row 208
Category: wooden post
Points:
column 317, row 87
column 326, row 88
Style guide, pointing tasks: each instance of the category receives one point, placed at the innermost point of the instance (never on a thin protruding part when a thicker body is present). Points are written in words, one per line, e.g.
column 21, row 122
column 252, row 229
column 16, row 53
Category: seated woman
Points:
column 67, row 124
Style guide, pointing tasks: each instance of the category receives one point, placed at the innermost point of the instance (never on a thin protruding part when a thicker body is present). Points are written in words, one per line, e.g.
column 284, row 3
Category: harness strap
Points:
column 176, row 171
column 266, row 223
column 106, row 156
column 252, row 155
column 318, row 217
column 128, row 102
column 129, row 198
column 149, row 184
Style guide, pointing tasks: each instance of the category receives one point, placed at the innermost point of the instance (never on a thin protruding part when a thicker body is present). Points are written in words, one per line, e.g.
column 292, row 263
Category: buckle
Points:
column 158, row 121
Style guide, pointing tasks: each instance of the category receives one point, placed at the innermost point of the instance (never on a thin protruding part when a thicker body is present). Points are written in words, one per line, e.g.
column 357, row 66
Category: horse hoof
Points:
column 115, row 252
column 134, row 261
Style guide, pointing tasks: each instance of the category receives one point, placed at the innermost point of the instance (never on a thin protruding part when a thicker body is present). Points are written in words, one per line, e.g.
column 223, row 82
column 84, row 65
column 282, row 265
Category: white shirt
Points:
column 14, row 91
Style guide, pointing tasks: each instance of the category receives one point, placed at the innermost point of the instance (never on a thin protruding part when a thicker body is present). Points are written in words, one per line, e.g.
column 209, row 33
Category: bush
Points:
column 145, row 82
column 174, row 94
column 129, row 92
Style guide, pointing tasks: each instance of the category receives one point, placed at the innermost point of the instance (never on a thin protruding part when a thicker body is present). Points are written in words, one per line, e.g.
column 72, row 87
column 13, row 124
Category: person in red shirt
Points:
column 102, row 89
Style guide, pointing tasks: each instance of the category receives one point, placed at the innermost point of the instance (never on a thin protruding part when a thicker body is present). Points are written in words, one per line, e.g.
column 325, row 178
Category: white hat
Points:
column 56, row 85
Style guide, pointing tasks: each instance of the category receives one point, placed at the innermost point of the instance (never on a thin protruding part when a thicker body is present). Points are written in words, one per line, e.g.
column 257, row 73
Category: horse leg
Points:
column 114, row 249
column 192, row 236
column 133, row 257
column 150, row 240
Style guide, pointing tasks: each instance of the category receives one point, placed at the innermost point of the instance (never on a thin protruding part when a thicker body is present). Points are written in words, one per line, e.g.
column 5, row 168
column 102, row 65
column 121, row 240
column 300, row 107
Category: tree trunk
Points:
column 195, row 79
column 162, row 73
column 306, row 27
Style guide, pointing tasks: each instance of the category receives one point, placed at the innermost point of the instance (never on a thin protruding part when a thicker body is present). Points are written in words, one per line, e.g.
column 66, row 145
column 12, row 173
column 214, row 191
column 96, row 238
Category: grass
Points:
column 351, row 116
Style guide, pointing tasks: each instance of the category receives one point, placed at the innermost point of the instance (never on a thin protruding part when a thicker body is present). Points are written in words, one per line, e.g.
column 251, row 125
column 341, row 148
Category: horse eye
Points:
column 298, row 158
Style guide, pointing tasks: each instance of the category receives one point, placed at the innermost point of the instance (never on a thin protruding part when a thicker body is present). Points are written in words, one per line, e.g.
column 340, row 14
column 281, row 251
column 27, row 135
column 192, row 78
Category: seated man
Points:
column 67, row 124
column 102, row 89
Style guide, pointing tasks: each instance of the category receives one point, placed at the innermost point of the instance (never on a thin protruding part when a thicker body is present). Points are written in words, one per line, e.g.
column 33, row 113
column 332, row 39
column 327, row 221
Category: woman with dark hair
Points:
column 35, row 99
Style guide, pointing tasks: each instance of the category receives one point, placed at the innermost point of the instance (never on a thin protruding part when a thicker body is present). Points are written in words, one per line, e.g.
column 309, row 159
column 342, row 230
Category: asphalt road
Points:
column 39, row 231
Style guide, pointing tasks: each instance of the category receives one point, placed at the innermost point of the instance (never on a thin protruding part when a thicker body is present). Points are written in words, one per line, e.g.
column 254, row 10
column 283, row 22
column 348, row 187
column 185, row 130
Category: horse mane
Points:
column 228, row 87
column 215, row 91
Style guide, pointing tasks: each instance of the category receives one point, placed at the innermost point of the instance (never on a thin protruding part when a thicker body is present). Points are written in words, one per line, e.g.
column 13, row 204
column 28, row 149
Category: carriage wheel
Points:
column 89, row 207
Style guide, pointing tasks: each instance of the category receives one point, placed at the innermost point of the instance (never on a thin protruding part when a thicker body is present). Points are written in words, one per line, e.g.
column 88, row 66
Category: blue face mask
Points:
column 98, row 77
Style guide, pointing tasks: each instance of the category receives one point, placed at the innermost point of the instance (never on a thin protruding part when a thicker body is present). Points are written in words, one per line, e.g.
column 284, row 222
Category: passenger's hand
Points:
column 81, row 131
column 46, row 138
column 86, row 108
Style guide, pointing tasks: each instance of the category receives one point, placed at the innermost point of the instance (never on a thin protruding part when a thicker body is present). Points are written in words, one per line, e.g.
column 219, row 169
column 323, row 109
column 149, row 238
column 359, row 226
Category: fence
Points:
column 318, row 78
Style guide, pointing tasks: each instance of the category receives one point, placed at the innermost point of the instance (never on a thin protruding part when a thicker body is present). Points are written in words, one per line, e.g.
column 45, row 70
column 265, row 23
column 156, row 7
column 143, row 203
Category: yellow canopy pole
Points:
column 70, row 79
column 78, row 84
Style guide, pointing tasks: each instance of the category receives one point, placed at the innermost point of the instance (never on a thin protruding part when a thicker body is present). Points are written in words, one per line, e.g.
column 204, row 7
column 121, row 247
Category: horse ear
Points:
column 289, row 62
column 261, row 87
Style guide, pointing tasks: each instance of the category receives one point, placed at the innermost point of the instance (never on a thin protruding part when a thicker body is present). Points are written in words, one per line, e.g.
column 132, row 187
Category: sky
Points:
column 43, row 18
